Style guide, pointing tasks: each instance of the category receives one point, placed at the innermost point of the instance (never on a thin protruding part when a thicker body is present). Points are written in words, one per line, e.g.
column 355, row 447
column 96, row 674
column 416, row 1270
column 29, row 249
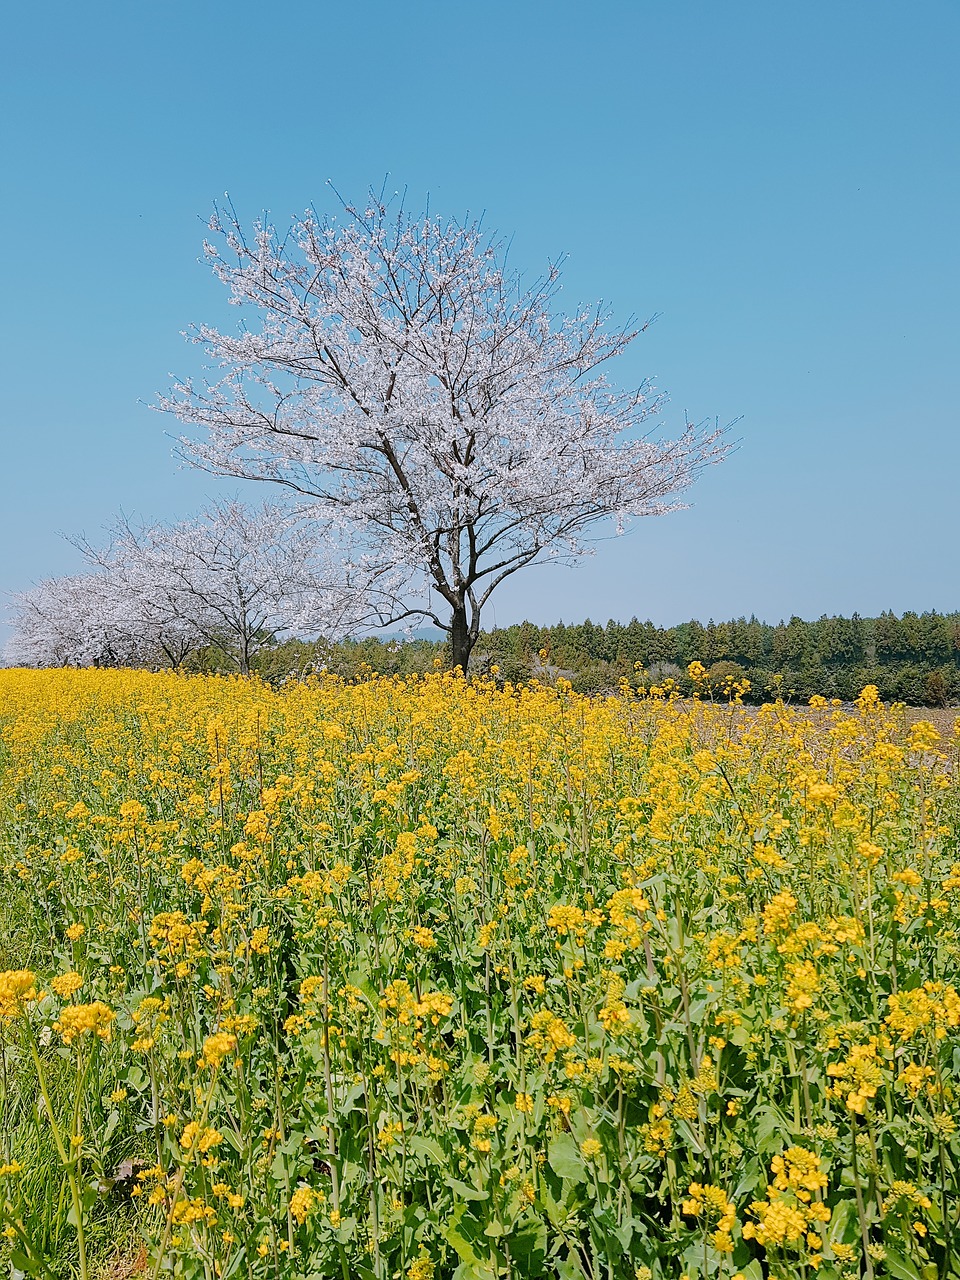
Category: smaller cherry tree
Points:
column 231, row 578
column 87, row 620
column 236, row 578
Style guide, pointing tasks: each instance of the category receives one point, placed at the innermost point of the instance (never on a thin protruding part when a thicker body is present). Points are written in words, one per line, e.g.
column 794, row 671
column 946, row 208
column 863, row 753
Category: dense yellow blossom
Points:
column 82, row 1019
column 718, row 1212
column 17, row 988
column 303, row 1202
column 65, row 984
column 494, row 975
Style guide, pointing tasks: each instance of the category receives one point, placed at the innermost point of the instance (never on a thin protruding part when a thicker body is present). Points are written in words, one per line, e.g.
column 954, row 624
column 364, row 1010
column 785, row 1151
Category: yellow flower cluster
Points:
column 216, row 1048
column 304, row 1202
column 934, row 1006
column 66, row 984
column 790, row 1217
column 17, row 988
column 859, row 1076
column 85, row 1019
column 718, row 1212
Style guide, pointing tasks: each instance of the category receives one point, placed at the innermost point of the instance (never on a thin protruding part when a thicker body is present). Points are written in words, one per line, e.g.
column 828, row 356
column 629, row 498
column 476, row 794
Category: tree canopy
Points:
column 426, row 406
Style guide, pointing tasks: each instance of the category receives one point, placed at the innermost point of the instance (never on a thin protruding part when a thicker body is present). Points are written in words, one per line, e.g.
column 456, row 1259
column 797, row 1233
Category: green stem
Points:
column 861, row 1211
column 69, row 1162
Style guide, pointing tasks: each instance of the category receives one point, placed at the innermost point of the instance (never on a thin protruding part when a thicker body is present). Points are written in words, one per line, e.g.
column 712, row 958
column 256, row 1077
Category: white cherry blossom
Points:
column 426, row 405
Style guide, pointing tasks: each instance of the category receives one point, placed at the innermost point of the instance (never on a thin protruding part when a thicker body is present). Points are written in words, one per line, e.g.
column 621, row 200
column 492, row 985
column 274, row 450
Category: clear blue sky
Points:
column 778, row 181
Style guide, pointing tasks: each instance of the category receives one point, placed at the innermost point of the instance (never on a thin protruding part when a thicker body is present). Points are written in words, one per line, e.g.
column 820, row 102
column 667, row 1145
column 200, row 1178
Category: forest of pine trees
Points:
column 914, row 658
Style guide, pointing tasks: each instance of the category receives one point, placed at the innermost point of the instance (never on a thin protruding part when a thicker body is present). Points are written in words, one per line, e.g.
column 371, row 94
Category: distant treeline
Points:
column 914, row 658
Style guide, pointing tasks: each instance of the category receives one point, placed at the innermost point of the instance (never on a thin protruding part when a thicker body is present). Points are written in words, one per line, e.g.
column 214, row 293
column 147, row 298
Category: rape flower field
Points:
column 431, row 979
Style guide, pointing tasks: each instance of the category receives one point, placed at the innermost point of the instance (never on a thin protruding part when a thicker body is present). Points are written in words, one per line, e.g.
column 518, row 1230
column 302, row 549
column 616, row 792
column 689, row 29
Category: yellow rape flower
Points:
column 565, row 919
column 303, row 1203
column 18, row 987
column 65, row 984
column 77, row 1020
column 216, row 1048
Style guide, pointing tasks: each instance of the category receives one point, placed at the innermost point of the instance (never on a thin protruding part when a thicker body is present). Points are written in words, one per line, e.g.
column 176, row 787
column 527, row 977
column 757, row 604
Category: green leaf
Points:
column 346, row 1231
column 565, row 1159
column 23, row 1263
column 528, row 1247
column 457, row 1240
column 752, row 1271
column 625, row 1234
column 465, row 1191
column 773, row 1129
column 113, row 1119
column 844, row 1226
column 357, row 1272
column 899, row 1267
column 428, row 1147
column 475, row 1271
column 569, row 1269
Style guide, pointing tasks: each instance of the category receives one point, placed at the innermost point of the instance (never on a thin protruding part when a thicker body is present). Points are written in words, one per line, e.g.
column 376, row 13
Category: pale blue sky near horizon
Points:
column 779, row 183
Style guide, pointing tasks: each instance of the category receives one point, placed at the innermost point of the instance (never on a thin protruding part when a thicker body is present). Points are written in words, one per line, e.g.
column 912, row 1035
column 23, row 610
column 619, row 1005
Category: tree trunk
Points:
column 461, row 642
